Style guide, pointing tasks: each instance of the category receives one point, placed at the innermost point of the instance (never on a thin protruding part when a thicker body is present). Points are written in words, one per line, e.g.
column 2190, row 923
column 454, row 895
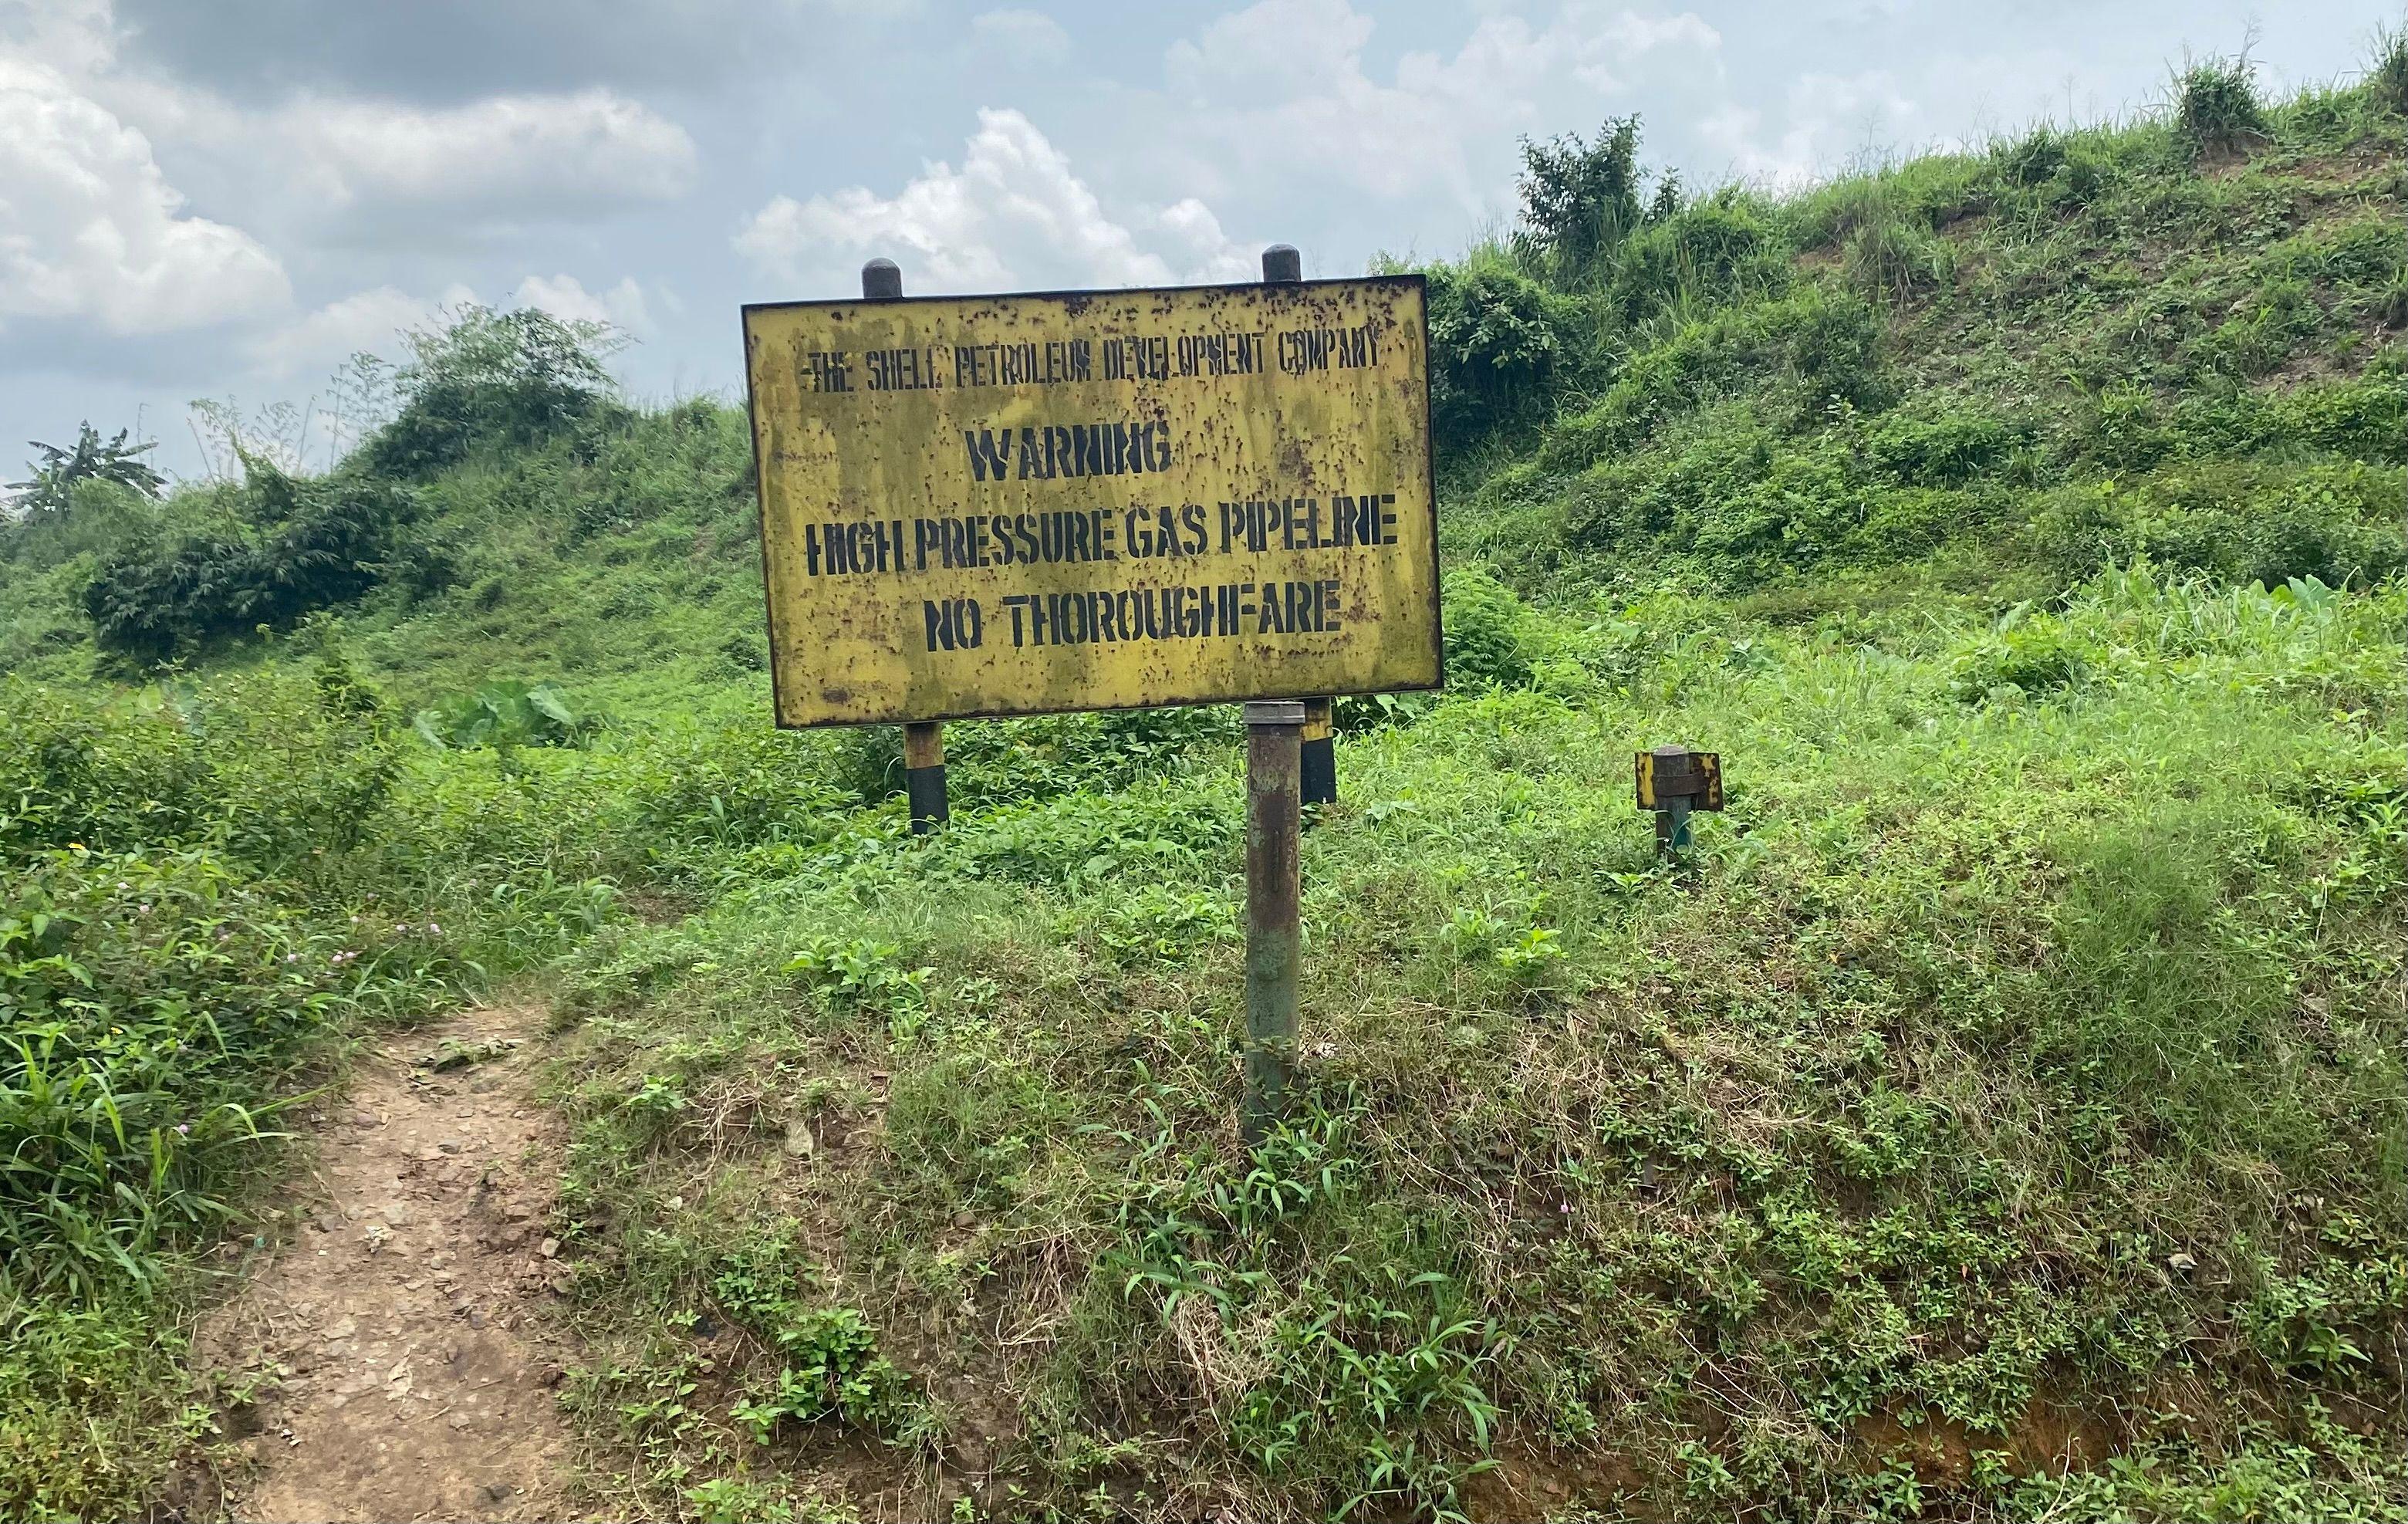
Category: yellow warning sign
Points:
column 1008, row 505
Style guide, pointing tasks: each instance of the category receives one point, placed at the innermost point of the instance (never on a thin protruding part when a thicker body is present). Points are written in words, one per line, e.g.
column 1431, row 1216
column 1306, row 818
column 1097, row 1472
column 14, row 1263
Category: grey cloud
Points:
column 456, row 49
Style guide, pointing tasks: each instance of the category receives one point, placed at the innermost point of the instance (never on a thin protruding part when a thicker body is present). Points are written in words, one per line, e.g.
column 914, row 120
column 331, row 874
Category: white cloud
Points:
column 320, row 341
column 373, row 320
column 1830, row 119
column 71, row 35
column 524, row 155
column 1012, row 215
column 514, row 151
column 1281, row 89
column 1025, row 37
column 91, row 229
column 623, row 306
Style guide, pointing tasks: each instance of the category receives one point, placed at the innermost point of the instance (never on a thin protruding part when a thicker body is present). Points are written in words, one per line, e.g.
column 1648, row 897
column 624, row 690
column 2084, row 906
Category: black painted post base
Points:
column 923, row 775
column 1317, row 764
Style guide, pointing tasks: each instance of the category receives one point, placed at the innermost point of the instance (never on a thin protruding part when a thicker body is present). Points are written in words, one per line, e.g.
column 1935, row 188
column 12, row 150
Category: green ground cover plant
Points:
column 2000, row 1114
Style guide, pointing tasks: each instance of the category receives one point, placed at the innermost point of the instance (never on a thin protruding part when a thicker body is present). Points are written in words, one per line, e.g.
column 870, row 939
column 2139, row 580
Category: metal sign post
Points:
column 923, row 741
column 1284, row 266
column 1274, row 893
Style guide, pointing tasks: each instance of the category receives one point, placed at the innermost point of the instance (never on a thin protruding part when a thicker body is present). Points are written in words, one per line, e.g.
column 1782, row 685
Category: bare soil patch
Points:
column 402, row 1370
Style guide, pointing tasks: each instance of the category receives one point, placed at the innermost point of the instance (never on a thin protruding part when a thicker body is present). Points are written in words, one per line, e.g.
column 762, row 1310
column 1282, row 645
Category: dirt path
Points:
column 409, row 1379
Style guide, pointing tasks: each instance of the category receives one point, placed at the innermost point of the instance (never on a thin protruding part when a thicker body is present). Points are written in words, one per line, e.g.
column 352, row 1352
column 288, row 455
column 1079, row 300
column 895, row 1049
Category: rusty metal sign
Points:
column 1009, row 505
column 1670, row 773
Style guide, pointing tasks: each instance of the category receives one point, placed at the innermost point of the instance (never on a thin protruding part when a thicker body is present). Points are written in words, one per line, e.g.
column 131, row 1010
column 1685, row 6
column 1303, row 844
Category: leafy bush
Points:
column 1824, row 348
column 2261, row 331
column 1041, row 756
column 1502, row 346
column 1486, row 644
column 2388, row 77
column 95, row 1404
column 2216, row 107
column 275, row 549
column 156, row 1002
column 1579, row 199
column 499, row 716
column 70, row 771
column 269, row 770
column 2031, row 655
column 1741, row 502
column 2265, row 524
column 2034, row 158
column 1892, row 260
column 835, row 1372
column 50, row 490
column 1942, row 446
column 1716, row 250
column 485, row 375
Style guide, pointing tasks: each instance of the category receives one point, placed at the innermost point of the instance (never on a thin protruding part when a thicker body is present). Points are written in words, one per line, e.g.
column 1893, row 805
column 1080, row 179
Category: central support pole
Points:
column 1283, row 267
column 924, row 744
column 1274, row 931
column 1673, row 827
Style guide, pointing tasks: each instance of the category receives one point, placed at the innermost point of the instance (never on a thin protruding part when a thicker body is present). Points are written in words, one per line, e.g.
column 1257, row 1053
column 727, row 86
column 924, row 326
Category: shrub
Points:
column 2123, row 426
column 270, row 770
column 1580, row 198
column 1501, row 345
column 2031, row 656
column 1486, row 644
column 2034, row 158
column 2388, row 79
column 2216, row 107
column 72, row 772
column 501, row 715
column 152, row 1000
column 1713, row 251
column 1890, row 259
column 1948, row 449
column 2264, row 330
column 1823, row 346
column 1831, row 349
column 87, row 1389
column 268, row 552
column 2236, row 523
column 507, row 377
column 51, row 488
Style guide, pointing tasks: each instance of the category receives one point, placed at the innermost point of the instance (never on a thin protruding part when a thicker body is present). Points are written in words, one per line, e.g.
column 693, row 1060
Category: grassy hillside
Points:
column 2001, row 1114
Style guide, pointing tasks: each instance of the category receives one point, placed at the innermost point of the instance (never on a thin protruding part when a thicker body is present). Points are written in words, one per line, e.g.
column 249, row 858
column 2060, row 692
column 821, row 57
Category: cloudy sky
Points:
column 226, row 198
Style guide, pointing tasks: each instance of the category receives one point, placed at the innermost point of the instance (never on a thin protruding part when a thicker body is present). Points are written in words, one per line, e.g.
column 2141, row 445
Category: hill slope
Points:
column 2002, row 1113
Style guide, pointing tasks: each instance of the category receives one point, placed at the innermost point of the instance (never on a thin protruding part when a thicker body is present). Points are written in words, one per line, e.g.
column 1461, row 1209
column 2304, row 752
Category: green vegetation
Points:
column 51, row 487
column 2001, row 1114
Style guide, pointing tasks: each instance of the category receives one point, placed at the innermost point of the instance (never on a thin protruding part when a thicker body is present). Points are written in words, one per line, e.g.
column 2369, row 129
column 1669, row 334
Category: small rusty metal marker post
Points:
column 923, row 775
column 1275, row 932
column 1284, row 266
column 924, row 744
column 1319, row 763
column 1673, row 780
